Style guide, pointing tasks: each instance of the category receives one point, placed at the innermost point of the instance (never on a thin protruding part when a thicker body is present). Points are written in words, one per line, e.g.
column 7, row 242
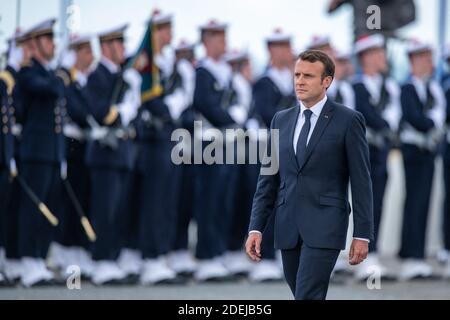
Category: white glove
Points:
column 68, row 59
column 63, row 170
column 176, row 103
column 98, row 133
column 238, row 113
column 15, row 57
column 13, row 168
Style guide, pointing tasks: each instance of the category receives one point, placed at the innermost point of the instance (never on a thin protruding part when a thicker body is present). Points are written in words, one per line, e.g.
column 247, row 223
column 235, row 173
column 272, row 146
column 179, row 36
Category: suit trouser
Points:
column 35, row 231
column 446, row 215
column 308, row 270
column 107, row 192
column 158, row 194
column 419, row 170
column 71, row 231
column 379, row 175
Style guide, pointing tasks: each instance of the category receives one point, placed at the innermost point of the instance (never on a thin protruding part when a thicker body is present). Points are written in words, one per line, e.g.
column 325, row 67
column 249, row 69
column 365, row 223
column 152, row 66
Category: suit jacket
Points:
column 310, row 199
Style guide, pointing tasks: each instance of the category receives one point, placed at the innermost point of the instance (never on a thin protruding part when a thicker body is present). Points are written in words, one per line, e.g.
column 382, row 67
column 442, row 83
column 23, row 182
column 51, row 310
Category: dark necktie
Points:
column 303, row 138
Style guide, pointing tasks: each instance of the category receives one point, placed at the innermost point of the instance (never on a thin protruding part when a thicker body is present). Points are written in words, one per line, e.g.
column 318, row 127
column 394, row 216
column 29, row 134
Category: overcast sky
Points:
column 249, row 20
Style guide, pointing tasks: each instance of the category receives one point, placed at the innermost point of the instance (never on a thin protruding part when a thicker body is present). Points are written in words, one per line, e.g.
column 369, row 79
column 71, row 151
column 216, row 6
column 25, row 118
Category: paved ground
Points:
column 437, row 289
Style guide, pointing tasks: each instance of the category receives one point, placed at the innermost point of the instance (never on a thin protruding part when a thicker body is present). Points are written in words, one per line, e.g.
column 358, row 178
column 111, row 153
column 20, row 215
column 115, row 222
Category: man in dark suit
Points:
column 322, row 146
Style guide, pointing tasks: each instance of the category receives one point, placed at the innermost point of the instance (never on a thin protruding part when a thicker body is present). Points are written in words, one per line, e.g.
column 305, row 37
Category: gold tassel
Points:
column 88, row 229
column 47, row 213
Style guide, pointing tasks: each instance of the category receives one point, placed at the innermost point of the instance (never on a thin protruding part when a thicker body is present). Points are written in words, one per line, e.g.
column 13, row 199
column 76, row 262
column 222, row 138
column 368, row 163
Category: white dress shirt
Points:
column 317, row 111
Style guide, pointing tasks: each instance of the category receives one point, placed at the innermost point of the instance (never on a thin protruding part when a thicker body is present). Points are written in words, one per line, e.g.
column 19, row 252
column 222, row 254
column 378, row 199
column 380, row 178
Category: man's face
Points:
column 376, row 58
column 216, row 42
column 281, row 53
column 309, row 86
column 46, row 45
column 85, row 57
column 164, row 34
column 422, row 64
column 118, row 51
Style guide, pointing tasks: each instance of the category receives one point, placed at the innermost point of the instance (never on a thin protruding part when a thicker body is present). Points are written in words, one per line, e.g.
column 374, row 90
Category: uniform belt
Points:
column 72, row 131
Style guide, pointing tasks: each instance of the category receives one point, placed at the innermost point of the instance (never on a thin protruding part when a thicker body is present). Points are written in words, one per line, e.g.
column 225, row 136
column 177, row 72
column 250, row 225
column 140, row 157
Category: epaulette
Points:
column 63, row 76
column 8, row 79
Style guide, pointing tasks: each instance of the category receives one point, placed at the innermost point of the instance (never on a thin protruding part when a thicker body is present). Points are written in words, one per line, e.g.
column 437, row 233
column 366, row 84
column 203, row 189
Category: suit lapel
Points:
column 321, row 125
column 291, row 131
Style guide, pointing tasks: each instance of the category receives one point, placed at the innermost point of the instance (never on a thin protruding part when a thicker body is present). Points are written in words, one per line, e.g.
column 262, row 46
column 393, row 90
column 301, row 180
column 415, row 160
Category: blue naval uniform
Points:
column 11, row 195
column 446, row 222
column 212, row 193
column 7, row 89
column 268, row 99
column 423, row 111
column 157, row 178
column 108, row 167
column 71, row 232
column 41, row 151
column 374, row 110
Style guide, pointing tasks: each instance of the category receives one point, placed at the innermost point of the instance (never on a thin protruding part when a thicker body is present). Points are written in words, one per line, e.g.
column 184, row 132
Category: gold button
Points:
column 58, row 119
column 5, row 119
column 3, row 109
column 5, row 130
column 58, row 129
column 10, row 101
column 57, row 110
column 12, row 110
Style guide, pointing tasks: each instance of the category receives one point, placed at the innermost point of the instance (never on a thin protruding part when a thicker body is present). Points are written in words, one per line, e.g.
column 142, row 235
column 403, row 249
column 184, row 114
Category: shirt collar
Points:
column 316, row 109
column 111, row 66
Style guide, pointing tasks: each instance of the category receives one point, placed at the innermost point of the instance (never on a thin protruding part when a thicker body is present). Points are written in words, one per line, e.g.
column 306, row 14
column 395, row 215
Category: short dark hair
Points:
column 314, row 56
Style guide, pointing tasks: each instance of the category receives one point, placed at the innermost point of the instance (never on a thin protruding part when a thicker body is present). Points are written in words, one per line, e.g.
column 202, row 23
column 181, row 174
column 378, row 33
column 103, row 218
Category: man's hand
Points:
column 253, row 246
column 358, row 252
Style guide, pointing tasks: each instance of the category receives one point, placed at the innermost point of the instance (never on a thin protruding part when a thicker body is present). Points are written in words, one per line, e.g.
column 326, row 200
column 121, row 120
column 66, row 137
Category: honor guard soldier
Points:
column 158, row 177
column 422, row 131
column 272, row 92
column 108, row 154
column 16, row 55
column 72, row 243
column 180, row 259
column 341, row 91
column 42, row 154
column 378, row 99
column 446, row 219
column 19, row 55
column 213, row 100
column 235, row 259
column 322, row 43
